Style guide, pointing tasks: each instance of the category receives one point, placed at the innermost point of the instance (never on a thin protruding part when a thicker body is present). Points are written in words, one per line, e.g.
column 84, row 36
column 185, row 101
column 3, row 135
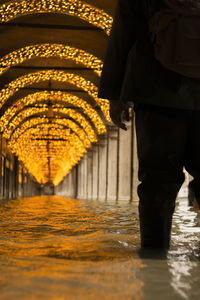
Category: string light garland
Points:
column 65, row 148
column 51, row 50
column 71, row 113
column 77, row 8
column 54, row 97
column 50, row 147
column 40, row 76
column 36, row 123
column 36, row 156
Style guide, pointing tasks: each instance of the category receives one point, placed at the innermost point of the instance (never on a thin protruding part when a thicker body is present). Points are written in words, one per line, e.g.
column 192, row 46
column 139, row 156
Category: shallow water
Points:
column 57, row 248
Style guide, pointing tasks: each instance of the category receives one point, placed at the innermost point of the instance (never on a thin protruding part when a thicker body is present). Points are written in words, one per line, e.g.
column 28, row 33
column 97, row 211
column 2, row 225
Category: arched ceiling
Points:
column 51, row 56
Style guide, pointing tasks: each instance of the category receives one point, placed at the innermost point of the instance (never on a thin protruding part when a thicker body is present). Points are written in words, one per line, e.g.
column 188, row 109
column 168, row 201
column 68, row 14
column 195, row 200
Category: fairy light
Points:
column 54, row 97
column 37, row 164
column 29, row 123
column 34, row 155
column 71, row 78
column 77, row 8
column 50, row 129
column 58, row 142
column 51, row 50
column 29, row 143
column 71, row 113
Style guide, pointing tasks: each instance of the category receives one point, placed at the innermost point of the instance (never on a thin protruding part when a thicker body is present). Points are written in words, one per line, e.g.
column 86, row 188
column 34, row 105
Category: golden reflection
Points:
column 62, row 247
column 77, row 8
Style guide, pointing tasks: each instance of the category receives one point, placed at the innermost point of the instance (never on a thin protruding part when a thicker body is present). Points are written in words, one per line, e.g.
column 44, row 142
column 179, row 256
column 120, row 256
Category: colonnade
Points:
column 108, row 171
column 15, row 181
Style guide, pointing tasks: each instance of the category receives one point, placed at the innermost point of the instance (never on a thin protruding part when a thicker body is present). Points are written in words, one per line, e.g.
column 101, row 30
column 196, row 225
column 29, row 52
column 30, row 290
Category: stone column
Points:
column 64, row 187
column 95, row 170
column 79, row 183
column 125, row 161
column 75, row 180
column 84, row 176
column 16, row 177
column 112, row 179
column 72, row 183
column 102, row 168
column 69, row 184
column 89, row 174
column 135, row 167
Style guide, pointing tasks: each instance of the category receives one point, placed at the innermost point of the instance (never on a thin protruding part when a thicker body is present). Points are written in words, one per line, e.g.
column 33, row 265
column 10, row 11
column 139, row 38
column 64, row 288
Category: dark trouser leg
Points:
column 192, row 157
column 161, row 139
column 191, row 194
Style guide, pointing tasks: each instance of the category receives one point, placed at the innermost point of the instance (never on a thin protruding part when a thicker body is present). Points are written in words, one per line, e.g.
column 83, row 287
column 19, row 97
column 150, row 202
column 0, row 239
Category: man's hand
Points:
column 119, row 112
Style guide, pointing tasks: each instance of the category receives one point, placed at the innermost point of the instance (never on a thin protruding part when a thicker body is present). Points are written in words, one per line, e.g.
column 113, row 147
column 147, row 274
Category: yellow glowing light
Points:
column 38, row 125
column 66, row 112
column 77, row 8
column 54, row 97
column 71, row 78
column 50, row 50
column 29, row 143
column 49, row 145
column 37, row 155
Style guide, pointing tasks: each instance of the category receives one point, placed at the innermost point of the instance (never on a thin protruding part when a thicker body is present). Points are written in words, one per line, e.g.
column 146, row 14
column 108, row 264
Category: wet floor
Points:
column 57, row 248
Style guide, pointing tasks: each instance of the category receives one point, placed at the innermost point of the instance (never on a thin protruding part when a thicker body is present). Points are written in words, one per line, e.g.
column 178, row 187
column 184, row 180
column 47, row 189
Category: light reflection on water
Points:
column 57, row 248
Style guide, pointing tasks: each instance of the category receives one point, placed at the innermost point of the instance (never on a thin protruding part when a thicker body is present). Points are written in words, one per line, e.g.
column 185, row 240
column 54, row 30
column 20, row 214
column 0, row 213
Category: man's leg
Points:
column 191, row 194
column 192, row 156
column 161, row 137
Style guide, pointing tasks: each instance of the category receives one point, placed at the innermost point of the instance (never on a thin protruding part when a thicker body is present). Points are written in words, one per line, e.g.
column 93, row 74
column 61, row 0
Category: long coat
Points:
column 131, row 73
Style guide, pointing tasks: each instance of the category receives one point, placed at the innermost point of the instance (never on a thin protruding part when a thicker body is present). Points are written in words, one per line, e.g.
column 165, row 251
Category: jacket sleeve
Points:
column 122, row 38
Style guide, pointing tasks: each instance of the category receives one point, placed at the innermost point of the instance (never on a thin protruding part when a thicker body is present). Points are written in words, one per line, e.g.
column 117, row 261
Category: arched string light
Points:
column 55, row 98
column 40, row 76
column 51, row 50
column 66, row 112
column 42, row 146
column 47, row 144
column 35, row 124
column 63, row 155
column 35, row 150
column 77, row 8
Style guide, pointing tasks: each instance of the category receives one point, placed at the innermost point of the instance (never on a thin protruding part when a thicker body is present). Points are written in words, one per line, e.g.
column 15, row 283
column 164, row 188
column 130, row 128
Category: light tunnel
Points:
column 28, row 146
column 49, row 146
column 43, row 145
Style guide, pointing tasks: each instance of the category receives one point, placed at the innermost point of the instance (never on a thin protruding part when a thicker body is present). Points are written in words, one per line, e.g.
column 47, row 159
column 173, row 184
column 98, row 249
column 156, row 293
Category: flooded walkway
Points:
column 58, row 248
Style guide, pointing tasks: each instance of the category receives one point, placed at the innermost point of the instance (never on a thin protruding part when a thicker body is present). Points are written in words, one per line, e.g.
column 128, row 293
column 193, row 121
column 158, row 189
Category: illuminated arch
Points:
column 57, row 123
column 35, row 120
column 77, row 8
column 71, row 78
column 59, row 96
column 63, row 154
column 44, row 131
column 50, row 50
column 67, row 112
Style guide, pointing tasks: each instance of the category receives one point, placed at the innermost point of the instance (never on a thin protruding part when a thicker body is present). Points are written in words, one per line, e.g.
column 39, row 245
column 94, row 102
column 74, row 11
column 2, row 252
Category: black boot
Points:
column 155, row 211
